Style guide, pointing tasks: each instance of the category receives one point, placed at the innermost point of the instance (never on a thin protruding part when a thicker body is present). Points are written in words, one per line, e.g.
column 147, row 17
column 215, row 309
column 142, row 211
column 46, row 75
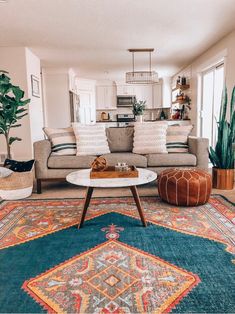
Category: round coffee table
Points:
column 82, row 178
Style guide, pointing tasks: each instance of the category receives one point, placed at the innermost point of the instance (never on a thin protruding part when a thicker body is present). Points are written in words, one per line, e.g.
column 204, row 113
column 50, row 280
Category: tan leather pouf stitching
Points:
column 185, row 187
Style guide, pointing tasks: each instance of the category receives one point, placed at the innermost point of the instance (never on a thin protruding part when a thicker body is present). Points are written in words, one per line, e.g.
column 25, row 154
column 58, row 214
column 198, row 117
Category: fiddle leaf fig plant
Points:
column 222, row 156
column 12, row 109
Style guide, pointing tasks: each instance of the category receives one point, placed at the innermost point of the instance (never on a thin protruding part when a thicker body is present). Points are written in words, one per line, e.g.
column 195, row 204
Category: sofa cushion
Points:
column 120, row 139
column 70, row 162
column 150, row 137
column 90, row 139
column 129, row 158
column 63, row 141
column 177, row 138
column 171, row 159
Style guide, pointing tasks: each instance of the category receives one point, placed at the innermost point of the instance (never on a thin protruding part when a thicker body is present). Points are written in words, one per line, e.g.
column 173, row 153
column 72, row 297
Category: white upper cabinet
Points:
column 157, row 95
column 144, row 92
column 126, row 89
column 106, row 97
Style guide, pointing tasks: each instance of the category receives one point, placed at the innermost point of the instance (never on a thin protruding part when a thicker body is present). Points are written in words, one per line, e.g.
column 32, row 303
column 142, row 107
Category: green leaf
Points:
column 13, row 139
column 18, row 93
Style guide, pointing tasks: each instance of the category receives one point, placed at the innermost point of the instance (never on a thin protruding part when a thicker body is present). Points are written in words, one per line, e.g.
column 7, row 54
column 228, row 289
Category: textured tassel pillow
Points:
column 63, row 141
column 90, row 139
column 150, row 138
column 177, row 138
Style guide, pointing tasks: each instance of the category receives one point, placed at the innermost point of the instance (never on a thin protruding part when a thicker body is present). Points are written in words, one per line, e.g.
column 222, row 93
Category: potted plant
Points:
column 138, row 109
column 222, row 157
column 12, row 109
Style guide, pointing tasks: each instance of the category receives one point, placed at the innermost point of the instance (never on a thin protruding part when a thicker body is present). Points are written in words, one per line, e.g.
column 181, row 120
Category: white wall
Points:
column 225, row 48
column 56, row 97
column 12, row 59
column 35, row 107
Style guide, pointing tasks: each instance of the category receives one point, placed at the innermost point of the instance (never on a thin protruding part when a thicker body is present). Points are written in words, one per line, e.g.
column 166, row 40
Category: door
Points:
column 87, row 109
column 212, row 88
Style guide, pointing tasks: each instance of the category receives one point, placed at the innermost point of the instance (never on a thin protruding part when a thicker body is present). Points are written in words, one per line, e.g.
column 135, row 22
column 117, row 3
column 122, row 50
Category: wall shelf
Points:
column 182, row 87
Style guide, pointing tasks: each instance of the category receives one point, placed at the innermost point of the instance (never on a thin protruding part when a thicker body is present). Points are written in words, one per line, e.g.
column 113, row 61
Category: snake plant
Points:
column 223, row 155
column 12, row 109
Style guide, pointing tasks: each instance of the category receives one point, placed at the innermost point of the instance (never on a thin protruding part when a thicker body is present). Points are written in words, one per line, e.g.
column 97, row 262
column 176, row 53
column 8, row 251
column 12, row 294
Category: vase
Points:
column 140, row 118
column 223, row 179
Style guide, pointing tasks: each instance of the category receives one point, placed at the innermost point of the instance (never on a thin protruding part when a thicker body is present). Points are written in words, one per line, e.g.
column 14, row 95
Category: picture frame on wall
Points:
column 35, row 84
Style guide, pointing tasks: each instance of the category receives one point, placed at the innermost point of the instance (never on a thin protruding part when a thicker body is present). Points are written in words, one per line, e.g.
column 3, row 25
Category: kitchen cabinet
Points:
column 157, row 95
column 126, row 89
column 144, row 92
column 106, row 97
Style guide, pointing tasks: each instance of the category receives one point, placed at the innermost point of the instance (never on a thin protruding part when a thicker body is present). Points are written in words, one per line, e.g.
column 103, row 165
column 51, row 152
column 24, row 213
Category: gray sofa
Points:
column 120, row 141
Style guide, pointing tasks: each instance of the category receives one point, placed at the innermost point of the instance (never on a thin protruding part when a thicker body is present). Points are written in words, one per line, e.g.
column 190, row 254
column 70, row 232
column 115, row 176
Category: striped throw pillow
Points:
column 63, row 141
column 150, row 138
column 91, row 139
column 177, row 138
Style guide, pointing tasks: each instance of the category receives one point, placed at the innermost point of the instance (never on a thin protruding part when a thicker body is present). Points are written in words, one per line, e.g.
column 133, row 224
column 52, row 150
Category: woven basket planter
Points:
column 16, row 186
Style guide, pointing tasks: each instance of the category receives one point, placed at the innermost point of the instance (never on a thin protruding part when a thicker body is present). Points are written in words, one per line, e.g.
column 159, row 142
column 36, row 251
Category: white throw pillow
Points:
column 150, row 138
column 5, row 172
column 91, row 139
column 177, row 138
column 63, row 141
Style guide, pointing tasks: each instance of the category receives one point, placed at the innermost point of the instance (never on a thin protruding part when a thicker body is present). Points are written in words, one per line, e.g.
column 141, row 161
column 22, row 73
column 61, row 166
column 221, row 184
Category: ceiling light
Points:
column 141, row 77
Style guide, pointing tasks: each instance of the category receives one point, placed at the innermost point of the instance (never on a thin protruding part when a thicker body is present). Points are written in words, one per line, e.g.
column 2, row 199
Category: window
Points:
column 212, row 88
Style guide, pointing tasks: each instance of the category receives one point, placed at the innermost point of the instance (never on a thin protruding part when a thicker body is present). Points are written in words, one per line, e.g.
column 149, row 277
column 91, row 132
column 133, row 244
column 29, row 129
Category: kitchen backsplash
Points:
column 148, row 114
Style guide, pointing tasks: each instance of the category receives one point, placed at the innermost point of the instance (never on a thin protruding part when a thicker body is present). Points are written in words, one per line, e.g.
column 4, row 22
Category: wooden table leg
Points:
column 138, row 204
column 89, row 192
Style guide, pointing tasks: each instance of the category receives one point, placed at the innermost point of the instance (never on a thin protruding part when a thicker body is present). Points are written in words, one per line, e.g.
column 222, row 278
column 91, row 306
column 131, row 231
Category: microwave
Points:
column 125, row 101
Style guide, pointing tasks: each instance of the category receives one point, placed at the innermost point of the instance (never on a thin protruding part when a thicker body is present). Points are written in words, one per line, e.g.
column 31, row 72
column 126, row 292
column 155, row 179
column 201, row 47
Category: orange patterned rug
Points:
column 22, row 221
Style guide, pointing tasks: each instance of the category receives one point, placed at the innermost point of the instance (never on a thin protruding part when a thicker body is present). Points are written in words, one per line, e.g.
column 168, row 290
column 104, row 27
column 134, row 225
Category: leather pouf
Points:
column 184, row 187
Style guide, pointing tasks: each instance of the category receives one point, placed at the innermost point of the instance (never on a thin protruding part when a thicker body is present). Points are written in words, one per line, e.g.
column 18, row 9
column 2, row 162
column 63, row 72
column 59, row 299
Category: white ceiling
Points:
column 93, row 36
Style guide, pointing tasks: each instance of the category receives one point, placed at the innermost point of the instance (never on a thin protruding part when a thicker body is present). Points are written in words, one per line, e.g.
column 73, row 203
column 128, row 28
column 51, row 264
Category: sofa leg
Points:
column 39, row 186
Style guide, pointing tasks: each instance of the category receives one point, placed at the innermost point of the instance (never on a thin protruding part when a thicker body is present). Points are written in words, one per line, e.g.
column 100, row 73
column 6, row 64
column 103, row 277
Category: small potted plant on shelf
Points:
column 222, row 156
column 138, row 109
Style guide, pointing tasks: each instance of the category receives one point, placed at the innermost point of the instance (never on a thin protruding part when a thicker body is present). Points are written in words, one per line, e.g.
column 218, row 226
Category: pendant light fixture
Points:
column 141, row 77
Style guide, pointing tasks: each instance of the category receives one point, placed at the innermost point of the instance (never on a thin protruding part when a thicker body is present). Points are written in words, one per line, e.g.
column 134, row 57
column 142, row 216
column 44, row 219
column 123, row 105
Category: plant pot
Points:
column 139, row 118
column 223, row 179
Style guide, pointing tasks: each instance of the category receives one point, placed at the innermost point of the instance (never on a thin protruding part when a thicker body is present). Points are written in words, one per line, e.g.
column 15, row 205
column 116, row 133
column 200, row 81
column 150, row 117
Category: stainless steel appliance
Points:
column 125, row 119
column 125, row 101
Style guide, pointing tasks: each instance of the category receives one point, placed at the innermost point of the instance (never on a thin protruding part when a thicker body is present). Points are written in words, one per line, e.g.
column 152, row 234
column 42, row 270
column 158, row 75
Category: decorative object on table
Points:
column 111, row 172
column 150, row 137
column 122, row 166
column 12, row 109
column 138, row 109
column 141, row 77
column 19, row 184
column 184, row 187
column 222, row 156
column 63, row 141
column 35, row 85
column 99, row 164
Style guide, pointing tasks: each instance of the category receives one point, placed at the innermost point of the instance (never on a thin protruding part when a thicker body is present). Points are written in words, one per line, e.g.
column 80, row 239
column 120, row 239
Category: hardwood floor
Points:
column 66, row 190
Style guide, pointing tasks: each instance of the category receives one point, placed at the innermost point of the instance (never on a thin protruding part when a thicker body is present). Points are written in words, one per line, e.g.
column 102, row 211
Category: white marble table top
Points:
column 82, row 178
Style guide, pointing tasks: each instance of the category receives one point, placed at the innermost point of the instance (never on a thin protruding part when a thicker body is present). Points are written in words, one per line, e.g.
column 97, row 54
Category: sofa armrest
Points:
column 42, row 151
column 199, row 147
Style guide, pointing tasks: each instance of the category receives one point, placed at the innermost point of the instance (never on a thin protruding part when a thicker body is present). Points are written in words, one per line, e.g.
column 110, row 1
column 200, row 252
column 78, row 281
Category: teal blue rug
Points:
column 114, row 265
